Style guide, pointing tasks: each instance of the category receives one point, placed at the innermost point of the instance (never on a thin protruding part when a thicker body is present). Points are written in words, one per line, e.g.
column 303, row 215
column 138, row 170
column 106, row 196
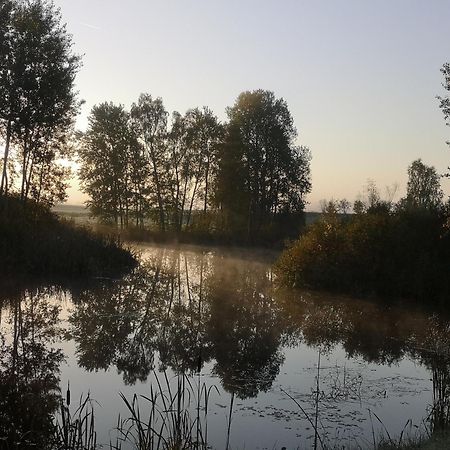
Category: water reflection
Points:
column 183, row 310
column 29, row 369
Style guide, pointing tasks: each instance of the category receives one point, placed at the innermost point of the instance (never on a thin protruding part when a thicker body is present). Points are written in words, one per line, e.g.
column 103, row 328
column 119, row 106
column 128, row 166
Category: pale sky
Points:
column 360, row 77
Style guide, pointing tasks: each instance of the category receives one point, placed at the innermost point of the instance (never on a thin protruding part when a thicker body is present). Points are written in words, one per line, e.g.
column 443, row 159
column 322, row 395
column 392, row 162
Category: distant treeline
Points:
column 244, row 178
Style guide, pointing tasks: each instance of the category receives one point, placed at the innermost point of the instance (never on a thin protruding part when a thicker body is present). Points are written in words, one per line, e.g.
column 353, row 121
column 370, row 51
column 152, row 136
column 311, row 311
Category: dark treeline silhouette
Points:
column 34, row 242
column 245, row 180
column 390, row 249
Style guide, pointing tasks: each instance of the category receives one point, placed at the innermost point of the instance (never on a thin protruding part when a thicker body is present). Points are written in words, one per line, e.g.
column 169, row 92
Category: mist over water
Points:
column 277, row 357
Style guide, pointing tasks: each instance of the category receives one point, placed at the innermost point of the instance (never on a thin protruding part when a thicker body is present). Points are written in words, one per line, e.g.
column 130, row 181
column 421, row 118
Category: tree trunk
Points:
column 192, row 203
column 4, row 183
column 162, row 224
column 206, row 187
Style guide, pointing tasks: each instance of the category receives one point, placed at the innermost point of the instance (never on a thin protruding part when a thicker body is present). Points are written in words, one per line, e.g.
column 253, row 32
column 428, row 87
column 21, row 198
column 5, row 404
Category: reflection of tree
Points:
column 112, row 324
column 29, row 372
column 195, row 307
column 189, row 308
column 244, row 328
column 432, row 347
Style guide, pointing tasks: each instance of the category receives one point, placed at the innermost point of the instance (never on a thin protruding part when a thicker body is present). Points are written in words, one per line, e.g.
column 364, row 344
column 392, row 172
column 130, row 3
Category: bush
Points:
column 404, row 254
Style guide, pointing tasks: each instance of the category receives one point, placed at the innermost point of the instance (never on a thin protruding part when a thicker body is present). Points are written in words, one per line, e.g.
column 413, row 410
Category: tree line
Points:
column 244, row 176
column 177, row 172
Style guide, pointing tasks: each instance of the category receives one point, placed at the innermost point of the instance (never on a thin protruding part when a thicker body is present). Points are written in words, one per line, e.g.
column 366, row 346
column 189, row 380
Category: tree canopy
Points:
column 424, row 187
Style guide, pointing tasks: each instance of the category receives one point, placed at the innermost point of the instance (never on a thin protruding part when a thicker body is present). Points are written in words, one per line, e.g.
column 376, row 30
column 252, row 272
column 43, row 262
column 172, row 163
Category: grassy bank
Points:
column 35, row 241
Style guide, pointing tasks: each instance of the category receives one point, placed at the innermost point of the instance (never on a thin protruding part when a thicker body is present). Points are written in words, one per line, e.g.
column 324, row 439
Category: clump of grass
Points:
column 77, row 431
column 175, row 417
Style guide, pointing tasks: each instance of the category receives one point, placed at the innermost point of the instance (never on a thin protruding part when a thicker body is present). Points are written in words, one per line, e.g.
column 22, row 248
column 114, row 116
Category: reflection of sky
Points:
column 272, row 420
column 360, row 77
column 395, row 392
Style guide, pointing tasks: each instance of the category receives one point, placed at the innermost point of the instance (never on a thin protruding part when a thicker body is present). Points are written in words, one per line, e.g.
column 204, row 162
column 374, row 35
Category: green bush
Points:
column 404, row 254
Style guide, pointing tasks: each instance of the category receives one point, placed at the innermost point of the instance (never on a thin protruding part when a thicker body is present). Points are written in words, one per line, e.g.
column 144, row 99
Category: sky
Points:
column 360, row 77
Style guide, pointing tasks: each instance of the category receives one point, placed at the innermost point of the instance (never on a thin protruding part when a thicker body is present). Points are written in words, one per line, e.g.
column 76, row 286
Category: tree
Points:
column 39, row 102
column 262, row 173
column 111, row 165
column 7, row 99
column 192, row 161
column 445, row 101
column 204, row 133
column 150, row 124
column 424, row 187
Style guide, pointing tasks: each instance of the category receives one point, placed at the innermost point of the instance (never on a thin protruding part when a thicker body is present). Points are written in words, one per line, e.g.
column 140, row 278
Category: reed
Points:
column 172, row 417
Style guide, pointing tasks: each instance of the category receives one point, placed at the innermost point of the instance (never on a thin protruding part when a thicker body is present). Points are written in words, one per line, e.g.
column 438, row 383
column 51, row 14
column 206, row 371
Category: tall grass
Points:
column 170, row 417
column 76, row 431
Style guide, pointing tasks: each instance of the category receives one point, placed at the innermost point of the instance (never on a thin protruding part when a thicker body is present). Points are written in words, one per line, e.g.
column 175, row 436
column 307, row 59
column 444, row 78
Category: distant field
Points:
column 71, row 209
column 80, row 214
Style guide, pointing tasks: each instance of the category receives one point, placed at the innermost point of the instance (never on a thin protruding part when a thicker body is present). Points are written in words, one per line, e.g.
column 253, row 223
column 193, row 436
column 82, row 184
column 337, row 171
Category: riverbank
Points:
column 34, row 241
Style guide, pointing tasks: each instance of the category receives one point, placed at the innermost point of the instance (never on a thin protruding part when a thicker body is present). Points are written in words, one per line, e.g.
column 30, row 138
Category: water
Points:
column 279, row 359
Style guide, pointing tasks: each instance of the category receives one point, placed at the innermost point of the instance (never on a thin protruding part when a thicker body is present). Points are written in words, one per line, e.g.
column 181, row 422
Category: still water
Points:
column 259, row 366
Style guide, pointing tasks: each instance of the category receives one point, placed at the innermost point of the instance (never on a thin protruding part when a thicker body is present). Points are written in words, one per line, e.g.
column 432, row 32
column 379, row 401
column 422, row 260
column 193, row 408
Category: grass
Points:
column 176, row 419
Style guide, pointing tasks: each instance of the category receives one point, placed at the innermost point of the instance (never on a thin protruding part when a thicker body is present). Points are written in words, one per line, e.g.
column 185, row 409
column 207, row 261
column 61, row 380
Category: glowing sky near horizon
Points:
column 360, row 77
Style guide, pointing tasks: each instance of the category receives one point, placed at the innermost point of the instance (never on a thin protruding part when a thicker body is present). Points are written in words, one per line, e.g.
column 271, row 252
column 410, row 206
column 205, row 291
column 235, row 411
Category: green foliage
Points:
column 403, row 254
column 34, row 241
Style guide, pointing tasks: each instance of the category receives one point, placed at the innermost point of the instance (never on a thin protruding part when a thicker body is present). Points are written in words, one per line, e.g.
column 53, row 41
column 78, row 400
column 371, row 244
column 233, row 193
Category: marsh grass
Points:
column 171, row 417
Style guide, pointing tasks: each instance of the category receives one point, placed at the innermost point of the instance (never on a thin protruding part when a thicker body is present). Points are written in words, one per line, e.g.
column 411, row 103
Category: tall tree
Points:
column 262, row 174
column 110, row 158
column 7, row 98
column 192, row 161
column 150, row 122
column 445, row 101
column 204, row 134
column 39, row 102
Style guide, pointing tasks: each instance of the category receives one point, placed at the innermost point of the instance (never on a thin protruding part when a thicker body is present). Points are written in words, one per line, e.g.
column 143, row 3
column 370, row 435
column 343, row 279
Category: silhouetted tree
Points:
column 192, row 161
column 262, row 173
column 150, row 124
column 37, row 85
column 7, row 98
column 445, row 101
column 424, row 187
column 113, row 165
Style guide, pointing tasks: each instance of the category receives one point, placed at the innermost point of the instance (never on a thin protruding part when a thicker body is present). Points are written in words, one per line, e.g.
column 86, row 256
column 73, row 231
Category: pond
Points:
column 206, row 341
